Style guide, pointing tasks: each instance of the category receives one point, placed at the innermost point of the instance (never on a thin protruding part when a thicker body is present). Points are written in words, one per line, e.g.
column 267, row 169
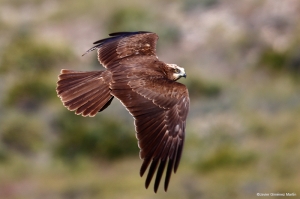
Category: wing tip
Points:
column 91, row 49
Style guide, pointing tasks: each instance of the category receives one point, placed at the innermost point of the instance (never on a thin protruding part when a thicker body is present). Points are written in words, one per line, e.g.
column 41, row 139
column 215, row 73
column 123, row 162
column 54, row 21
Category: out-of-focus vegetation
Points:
column 279, row 62
column 21, row 134
column 24, row 54
column 243, row 69
column 99, row 137
column 198, row 87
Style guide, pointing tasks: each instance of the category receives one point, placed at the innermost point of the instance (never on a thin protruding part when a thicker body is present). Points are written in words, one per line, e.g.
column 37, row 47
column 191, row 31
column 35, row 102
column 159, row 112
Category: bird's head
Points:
column 176, row 72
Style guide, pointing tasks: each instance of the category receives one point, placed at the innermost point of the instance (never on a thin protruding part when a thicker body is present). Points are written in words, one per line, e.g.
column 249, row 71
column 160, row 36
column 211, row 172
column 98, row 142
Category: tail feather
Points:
column 86, row 93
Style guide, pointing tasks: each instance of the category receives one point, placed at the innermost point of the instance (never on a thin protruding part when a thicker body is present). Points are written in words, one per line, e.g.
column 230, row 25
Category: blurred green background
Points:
column 242, row 60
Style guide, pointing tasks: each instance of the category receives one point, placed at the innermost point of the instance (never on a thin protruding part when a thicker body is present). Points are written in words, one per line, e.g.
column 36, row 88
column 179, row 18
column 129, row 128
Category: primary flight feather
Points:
column 147, row 88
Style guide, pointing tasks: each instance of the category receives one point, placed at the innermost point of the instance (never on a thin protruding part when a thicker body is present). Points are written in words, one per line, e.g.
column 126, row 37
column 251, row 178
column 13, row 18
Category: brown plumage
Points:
column 148, row 89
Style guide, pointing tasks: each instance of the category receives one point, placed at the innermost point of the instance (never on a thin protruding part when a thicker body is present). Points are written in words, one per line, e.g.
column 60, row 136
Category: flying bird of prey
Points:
column 147, row 88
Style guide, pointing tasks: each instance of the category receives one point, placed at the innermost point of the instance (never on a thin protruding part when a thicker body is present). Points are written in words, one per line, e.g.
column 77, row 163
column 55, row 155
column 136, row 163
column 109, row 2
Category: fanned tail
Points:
column 84, row 92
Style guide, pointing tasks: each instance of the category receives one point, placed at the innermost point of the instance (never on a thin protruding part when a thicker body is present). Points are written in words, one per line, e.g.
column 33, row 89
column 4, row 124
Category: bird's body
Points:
column 147, row 88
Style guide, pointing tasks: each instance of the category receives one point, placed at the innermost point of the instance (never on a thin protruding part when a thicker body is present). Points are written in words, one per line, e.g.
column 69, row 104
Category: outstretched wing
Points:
column 125, row 44
column 159, row 107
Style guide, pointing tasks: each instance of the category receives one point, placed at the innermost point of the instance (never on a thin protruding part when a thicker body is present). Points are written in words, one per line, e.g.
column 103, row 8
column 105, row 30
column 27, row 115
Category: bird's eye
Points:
column 177, row 70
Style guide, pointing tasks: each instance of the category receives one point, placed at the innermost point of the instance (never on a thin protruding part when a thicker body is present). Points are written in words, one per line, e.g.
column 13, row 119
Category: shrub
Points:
column 94, row 137
column 129, row 19
column 26, row 54
column 22, row 134
column 135, row 19
column 225, row 156
column 281, row 62
column 29, row 93
column 198, row 87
